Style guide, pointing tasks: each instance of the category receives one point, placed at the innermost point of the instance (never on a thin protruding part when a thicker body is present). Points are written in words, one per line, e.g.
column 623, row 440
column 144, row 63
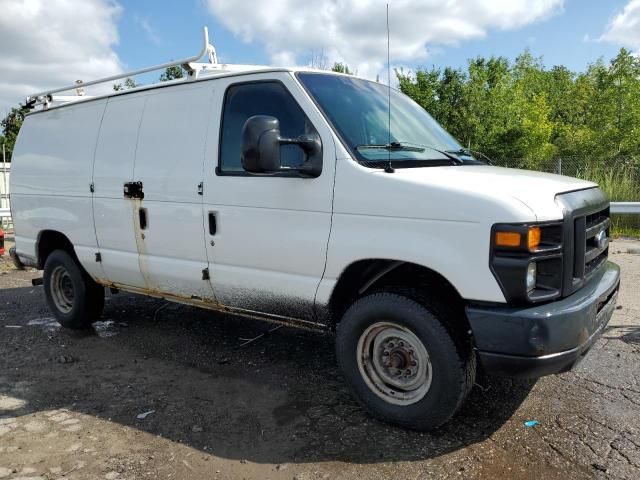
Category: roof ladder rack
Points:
column 192, row 68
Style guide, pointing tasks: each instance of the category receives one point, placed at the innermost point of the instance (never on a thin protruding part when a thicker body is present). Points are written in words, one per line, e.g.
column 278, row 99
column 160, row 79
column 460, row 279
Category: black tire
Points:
column 452, row 363
column 81, row 301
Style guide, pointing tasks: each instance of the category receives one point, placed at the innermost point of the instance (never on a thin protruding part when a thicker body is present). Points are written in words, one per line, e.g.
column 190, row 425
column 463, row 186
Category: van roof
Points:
column 55, row 101
column 195, row 72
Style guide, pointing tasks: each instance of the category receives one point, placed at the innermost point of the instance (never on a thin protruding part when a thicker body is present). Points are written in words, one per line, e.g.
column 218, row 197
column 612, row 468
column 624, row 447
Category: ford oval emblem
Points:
column 601, row 240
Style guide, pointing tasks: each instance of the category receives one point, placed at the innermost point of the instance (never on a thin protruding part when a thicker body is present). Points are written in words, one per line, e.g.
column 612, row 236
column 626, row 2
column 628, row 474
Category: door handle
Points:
column 142, row 215
column 133, row 190
column 213, row 227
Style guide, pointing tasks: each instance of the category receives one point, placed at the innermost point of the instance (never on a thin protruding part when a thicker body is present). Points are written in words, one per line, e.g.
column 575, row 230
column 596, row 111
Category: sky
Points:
column 51, row 43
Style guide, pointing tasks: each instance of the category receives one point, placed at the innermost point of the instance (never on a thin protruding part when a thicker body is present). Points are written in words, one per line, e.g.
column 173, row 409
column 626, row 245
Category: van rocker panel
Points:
column 544, row 339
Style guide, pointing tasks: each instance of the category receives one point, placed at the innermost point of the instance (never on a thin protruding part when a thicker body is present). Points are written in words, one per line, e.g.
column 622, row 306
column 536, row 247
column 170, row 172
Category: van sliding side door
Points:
column 168, row 219
column 113, row 168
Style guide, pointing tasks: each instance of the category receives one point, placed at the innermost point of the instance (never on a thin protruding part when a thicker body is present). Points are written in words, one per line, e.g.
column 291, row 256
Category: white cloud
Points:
column 51, row 43
column 354, row 31
column 152, row 35
column 624, row 27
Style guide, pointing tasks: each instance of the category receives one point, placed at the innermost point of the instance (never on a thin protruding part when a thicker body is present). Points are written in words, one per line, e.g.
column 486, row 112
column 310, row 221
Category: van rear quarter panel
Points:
column 51, row 175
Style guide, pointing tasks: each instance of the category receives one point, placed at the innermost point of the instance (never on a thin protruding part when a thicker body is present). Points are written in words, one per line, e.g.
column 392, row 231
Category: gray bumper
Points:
column 544, row 339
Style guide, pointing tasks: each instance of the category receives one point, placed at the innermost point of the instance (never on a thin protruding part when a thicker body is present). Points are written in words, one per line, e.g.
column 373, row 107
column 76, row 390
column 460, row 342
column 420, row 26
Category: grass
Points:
column 625, row 226
column 6, row 264
column 622, row 184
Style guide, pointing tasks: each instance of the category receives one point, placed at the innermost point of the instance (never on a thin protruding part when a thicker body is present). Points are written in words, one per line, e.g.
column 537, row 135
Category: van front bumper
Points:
column 544, row 339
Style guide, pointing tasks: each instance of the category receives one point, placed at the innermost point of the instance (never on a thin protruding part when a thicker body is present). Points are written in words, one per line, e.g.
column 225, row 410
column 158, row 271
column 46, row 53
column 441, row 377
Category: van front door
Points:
column 266, row 235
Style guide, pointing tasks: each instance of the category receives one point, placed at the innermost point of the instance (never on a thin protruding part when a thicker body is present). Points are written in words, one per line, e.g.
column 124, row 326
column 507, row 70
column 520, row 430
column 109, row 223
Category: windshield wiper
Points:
column 470, row 153
column 460, row 151
column 410, row 147
column 450, row 155
column 393, row 146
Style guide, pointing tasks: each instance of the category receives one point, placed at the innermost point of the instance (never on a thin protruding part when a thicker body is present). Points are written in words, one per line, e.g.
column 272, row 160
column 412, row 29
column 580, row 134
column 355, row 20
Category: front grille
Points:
column 595, row 253
column 586, row 216
column 590, row 251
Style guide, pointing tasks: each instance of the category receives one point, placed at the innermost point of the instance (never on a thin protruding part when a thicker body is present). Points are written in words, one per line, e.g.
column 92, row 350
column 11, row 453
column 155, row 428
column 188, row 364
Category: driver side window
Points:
column 259, row 98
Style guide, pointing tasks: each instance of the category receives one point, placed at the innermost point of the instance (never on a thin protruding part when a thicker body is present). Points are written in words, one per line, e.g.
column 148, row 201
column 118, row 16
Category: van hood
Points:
column 537, row 190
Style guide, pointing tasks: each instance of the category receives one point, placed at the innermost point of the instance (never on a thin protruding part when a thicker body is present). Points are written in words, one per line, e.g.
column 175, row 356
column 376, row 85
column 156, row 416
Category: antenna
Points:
column 389, row 168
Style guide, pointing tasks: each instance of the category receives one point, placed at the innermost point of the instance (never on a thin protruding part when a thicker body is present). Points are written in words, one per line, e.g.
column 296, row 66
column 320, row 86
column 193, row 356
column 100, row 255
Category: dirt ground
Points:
column 73, row 404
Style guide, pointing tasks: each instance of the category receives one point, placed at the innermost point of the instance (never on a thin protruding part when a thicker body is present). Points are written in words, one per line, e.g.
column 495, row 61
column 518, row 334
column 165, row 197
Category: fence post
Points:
column 559, row 166
column 4, row 188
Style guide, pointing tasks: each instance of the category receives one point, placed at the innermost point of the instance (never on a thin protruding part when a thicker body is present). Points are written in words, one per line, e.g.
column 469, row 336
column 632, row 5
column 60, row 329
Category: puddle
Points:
column 42, row 321
column 106, row 328
column 47, row 323
column 10, row 403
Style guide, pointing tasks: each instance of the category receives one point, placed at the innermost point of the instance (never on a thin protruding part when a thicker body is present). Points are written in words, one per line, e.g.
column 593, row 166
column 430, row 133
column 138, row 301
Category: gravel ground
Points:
column 277, row 408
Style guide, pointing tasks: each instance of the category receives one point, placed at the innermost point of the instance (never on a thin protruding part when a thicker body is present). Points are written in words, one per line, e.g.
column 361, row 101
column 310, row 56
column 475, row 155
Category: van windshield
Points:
column 358, row 110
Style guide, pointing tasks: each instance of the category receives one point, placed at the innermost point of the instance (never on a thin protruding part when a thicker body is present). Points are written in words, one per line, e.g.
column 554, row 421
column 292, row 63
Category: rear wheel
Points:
column 401, row 363
column 75, row 300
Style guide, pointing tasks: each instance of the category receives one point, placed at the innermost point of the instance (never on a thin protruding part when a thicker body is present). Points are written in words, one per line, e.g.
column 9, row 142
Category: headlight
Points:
column 526, row 260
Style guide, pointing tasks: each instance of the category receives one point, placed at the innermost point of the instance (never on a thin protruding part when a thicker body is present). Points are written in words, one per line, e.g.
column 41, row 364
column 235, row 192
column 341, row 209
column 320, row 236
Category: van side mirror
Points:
column 260, row 148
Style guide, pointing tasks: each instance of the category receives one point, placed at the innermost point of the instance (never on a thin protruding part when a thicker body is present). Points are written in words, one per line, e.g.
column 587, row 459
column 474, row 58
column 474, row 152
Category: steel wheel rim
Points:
column 62, row 291
column 394, row 363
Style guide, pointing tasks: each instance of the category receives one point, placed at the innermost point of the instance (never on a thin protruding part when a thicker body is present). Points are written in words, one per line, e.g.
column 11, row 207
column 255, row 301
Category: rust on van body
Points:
column 137, row 205
column 213, row 305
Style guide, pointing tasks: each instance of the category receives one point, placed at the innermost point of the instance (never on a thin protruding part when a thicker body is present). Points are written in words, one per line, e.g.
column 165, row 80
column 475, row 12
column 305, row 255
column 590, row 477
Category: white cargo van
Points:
column 282, row 194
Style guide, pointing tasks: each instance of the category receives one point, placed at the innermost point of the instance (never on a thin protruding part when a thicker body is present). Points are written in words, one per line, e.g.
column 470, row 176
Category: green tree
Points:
column 172, row 73
column 341, row 68
column 10, row 126
column 524, row 111
column 615, row 109
column 128, row 84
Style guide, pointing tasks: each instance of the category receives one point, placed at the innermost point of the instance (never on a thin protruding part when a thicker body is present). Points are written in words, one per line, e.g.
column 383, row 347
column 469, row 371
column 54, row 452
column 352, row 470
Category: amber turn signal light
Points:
column 507, row 239
column 514, row 239
column 533, row 238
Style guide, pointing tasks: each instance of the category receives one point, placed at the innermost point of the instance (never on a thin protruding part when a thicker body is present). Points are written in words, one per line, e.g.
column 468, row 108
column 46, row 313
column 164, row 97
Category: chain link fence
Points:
column 619, row 177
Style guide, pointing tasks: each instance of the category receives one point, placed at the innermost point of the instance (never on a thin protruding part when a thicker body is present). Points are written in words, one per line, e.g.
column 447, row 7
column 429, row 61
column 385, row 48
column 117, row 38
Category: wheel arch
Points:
column 50, row 240
column 365, row 276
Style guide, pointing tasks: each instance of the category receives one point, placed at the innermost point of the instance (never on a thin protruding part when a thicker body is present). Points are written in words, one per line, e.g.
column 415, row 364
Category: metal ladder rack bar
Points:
column 206, row 49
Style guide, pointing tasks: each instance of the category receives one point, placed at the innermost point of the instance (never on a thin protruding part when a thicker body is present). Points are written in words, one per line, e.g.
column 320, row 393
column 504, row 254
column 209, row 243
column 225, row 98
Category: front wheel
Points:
column 75, row 300
column 401, row 363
